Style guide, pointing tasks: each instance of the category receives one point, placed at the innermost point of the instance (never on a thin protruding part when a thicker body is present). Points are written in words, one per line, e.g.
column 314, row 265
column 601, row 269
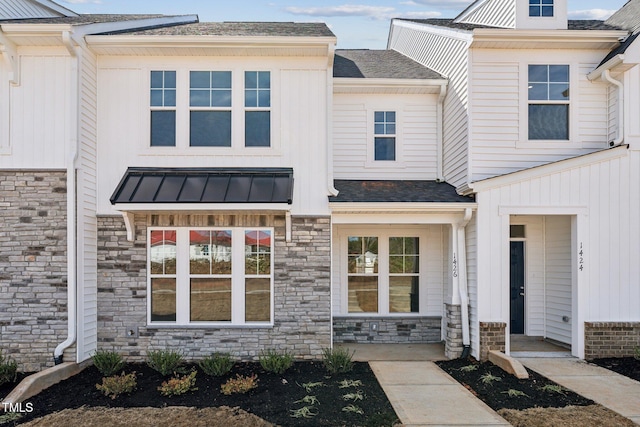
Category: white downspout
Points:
column 440, row 132
column 463, row 285
column 71, row 206
column 606, row 76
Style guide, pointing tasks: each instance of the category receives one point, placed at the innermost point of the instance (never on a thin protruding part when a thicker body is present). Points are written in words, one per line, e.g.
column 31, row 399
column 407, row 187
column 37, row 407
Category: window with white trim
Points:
column 211, row 276
column 163, row 108
column 210, row 108
column 549, row 99
column 385, row 136
column 541, row 8
column 383, row 274
column 257, row 103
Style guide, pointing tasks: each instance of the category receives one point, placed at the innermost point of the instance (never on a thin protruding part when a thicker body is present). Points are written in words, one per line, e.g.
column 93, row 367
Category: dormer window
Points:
column 541, row 8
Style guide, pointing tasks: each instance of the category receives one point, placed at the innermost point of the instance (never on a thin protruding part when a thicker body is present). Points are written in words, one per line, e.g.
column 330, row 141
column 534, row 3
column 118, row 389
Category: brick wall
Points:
column 33, row 266
column 302, row 322
column 611, row 339
column 492, row 337
column 396, row 330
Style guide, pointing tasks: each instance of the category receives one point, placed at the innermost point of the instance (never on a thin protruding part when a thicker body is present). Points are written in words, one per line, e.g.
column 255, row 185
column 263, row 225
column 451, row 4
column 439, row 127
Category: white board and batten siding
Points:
column 444, row 51
column 416, row 138
column 493, row 13
column 499, row 109
column 87, row 205
column 24, row 9
column 471, row 234
column 39, row 126
column 299, row 117
column 598, row 194
column 558, row 296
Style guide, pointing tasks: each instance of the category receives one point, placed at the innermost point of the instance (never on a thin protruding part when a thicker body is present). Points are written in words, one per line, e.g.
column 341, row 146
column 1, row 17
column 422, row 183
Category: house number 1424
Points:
column 581, row 258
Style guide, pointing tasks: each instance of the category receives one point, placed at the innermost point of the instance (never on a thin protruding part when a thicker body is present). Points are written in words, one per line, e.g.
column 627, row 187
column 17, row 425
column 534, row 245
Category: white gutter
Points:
column 462, row 277
column 71, row 205
column 440, row 133
column 606, row 76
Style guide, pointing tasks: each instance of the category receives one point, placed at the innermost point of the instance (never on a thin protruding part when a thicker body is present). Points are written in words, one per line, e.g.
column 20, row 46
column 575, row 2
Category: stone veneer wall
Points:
column 33, row 266
column 453, row 345
column 611, row 339
column 395, row 330
column 302, row 300
column 492, row 337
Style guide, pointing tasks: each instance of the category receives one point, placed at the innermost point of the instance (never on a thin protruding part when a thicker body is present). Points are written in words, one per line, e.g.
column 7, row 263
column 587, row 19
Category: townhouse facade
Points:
column 167, row 183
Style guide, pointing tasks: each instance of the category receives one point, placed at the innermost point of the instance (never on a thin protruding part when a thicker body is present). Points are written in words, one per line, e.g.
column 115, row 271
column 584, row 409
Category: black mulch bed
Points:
column 496, row 394
column 627, row 366
column 6, row 388
column 272, row 400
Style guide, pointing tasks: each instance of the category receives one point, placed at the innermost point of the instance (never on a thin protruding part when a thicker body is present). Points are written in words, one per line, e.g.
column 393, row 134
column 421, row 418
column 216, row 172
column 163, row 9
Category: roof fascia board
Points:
column 346, row 82
column 197, row 207
column 609, row 65
column 199, row 41
column 455, row 33
column 469, row 10
column 484, row 35
column 562, row 165
column 56, row 7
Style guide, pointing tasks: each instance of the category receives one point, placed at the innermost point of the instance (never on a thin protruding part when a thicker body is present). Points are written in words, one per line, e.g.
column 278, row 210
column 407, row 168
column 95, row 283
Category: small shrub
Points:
column 350, row 383
column 116, row 385
column 310, row 386
column 8, row 369
column 636, row 353
column 107, row 362
column 240, row 384
column 353, row 396
column 553, row 388
column 304, row 412
column 512, row 392
column 469, row 368
column 166, row 362
column 177, row 386
column 216, row 365
column 310, row 400
column 489, row 378
column 272, row 361
column 353, row 409
column 337, row 360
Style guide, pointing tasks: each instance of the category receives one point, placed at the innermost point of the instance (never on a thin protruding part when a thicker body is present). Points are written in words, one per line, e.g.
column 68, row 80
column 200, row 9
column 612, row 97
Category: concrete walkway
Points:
column 424, row 395
column 612, row 390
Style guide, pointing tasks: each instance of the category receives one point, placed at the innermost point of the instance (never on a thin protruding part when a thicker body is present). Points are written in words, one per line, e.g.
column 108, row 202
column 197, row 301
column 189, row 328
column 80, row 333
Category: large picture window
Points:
column 383, row 274
column 549, row 96
column 210, row 102
column 211, row 276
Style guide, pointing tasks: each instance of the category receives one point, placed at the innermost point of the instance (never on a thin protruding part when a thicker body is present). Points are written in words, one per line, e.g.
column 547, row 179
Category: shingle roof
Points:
column 572, row 24
column 82, row 19
column 628, row 17
column 620, row 49
column 379, row 64
column 257, row 29
column 209, row 185
column 360, row 191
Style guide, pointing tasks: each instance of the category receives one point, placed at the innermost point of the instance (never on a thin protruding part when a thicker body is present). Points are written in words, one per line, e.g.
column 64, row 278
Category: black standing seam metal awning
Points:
column 205, row 185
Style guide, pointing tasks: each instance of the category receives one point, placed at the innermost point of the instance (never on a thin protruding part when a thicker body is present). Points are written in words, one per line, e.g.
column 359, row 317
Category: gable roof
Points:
column 628, row 17
column 379, row 64
column 25, row 9
column 243, row 29
column 580, row 24
column 86, row 19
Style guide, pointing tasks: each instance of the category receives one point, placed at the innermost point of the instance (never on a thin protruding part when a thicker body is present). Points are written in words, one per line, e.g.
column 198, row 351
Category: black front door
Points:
column 517, row 287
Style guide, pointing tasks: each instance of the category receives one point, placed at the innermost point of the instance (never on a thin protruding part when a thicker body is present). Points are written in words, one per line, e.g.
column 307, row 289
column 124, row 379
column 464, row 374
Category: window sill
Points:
column 545, row 143
column 211, row 151
column 385, row 164
column 386, row 316
column 210, row 326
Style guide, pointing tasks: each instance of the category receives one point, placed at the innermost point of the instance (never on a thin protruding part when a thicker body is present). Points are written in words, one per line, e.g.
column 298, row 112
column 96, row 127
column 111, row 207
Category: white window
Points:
column 384, row 274
column 210, row 108
column 257, row 103
column 385, row 136
column 541, row 8
column 210, row 276
column 549, row 98
column 163, row 108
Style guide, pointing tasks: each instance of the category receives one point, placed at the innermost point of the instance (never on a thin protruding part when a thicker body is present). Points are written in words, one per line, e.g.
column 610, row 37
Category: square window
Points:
column 541, row 8
column 210, row 129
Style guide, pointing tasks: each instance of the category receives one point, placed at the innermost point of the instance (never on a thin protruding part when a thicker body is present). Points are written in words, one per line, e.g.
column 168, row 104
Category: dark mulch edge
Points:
column 7, row 388
column 273, row 400
column 495, row 395
column 627, row 366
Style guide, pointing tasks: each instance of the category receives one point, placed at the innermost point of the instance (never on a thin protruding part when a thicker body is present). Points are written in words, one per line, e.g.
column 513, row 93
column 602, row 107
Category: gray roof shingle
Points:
column 379, row 64
column 247, row 29
column 361, row 191
column 82, row 19
column 628, row 17
column 572, row 24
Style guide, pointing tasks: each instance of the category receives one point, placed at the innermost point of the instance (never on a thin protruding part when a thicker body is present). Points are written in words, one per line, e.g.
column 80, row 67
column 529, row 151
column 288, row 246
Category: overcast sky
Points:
column 357, row 23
